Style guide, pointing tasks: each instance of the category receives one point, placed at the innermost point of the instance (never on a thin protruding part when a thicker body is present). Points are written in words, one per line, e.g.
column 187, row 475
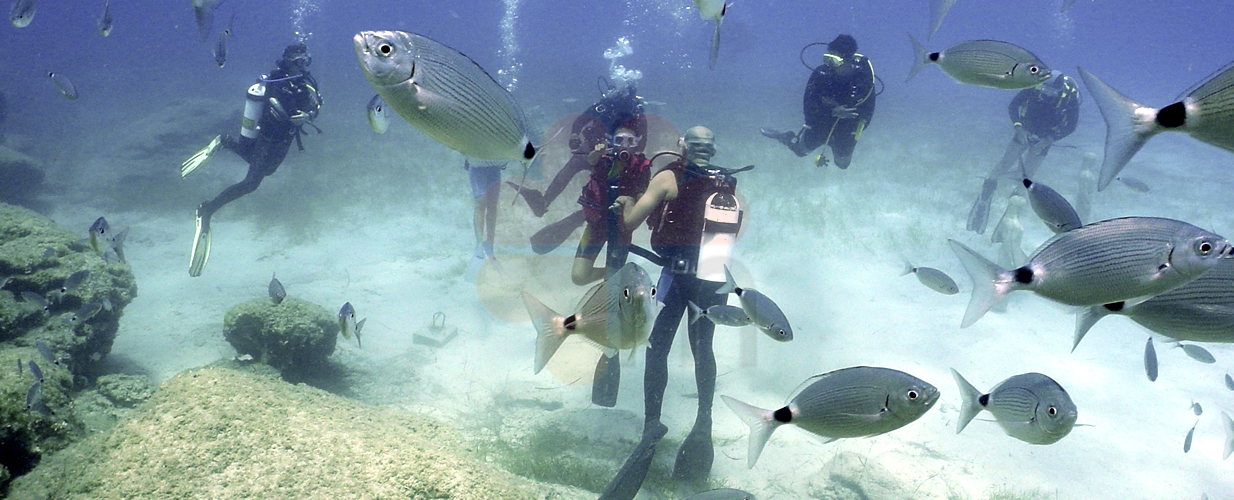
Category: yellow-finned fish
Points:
column 445, row 94
column 378, row 116
column 616, row 313
column 714, row 10
column 985, row 63
column 1205, row 113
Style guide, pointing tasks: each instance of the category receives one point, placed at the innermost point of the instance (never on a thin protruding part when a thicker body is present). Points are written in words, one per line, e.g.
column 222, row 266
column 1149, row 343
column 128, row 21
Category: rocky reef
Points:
column 295, row 337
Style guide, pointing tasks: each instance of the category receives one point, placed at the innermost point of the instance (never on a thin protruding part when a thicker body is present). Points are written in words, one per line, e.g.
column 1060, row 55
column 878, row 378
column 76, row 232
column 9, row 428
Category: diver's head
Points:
column 1052, row 88
column 627, row 139
column 700, row 144
column 296, row 58
column 839, row 51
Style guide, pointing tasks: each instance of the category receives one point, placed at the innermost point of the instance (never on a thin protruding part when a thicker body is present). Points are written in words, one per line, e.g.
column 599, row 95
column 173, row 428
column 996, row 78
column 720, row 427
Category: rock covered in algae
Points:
column 293, row 337
column 221, row 433
column 26, row 435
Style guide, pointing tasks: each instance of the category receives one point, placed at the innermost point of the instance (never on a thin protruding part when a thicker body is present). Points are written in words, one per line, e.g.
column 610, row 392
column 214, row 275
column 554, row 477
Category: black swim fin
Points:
column 630, row 478
column 607, row 381
column 553, row 235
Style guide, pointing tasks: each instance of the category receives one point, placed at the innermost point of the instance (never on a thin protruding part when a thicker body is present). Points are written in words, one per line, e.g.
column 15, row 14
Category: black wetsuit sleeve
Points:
column 812, row 101
column 1015, row 110
column 865, row 87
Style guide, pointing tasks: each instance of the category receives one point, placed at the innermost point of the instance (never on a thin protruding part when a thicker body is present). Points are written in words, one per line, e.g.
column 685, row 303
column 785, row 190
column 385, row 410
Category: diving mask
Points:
column 623, row 140
column 832, row 60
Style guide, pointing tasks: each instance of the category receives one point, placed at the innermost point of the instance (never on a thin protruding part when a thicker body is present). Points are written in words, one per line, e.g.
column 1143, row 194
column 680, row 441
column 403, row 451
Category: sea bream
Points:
column 1030, row 407
column 1205, row 113
column 851, row 402
column 985, row 63
column 616, row 313
column 445, row 94
column 347, row 323
column 763, row 312
column 378, row 116
column 1126, row 259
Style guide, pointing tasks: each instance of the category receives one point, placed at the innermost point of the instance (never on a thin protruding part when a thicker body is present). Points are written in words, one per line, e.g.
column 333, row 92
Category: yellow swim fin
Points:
column 201, row 247
column 201, row 157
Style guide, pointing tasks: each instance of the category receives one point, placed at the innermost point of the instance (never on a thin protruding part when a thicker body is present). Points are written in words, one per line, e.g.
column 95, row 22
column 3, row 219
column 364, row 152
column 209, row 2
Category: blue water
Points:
column 828, row 242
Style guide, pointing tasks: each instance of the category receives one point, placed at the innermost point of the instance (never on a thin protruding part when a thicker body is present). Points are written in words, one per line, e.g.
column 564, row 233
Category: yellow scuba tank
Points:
column 721, row 221
column 254, row 107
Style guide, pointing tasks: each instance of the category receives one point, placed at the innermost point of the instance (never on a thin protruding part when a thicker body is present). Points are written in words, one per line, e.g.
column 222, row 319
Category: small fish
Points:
column 933, row 278
column 722, row 494
column 1030, row 407
column 1150, row 361
column 46, row 352
column 220, row 49
column 23, row 13
column 1196, row 408
column 100, row 231
column 277, row 293
column 614, row 314
column 1051, row 207
column 851, row 402
column 721, row 314
column 763, row 312
column 74, row 281
column 985, row 63
column 1152, row 255
column 714, row 10
column 938, row 10
column 85, row 312
column 1197, row 353
column 105, row 20
column 445, row 94
column 1229, row 382
column 378, row 116
column 347, row 323
column 1203, row 114
column 1228, row 425
column 1190, row 433
column 36, row 299
column 1134, row 184
column 35, row 370
column 32, row 394
column 63, row 84
column 203, row 13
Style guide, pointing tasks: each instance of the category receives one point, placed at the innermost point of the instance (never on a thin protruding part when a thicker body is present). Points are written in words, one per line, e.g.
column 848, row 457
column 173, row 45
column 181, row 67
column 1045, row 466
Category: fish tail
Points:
column 729, row 285
column 1085, row 320
column 908, row 268
column 971, row 406
column 1125, row 132
column 762, row 423
column 549, row 333
column 714, row 55
column 988, row 286
column 696, row 312
column 1228, row 425
column 921, row 57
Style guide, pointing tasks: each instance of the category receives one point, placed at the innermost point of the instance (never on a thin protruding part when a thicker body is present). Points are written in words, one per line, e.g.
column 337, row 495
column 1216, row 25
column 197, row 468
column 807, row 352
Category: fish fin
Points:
column 714, row 54
column 695, row 311
column 989, row 286
column 921, row 58
column 1085, row 320
column 1127, row 126
column 117, row 244
column 549, row 334
column 938, row 11
column 761, row 422
column 972, row 405
column 908, row 268
column 729, row 285
column 1228, row 425
column 359, row 326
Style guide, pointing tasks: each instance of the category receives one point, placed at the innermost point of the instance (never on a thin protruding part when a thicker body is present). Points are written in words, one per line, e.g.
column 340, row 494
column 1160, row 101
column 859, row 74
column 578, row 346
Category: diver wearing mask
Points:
column 277, row 108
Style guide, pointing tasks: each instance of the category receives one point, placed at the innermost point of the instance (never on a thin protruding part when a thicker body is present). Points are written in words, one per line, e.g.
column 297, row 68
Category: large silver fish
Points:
column 1199, row 311
column 445, row 94
column 851, row 402
column 22, row 13
column 1051, row 207
column 720, row 314
column 1205, row 113
column 763, row 312
column 985, row 63
column 1030, row 407
column 616, row 313
column 1127, row 259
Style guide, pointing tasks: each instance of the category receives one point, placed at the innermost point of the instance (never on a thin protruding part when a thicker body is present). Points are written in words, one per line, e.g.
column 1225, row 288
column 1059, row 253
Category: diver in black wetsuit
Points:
column 678, row 201
column 838, row 104
column 279, row 105
column 1041, row 115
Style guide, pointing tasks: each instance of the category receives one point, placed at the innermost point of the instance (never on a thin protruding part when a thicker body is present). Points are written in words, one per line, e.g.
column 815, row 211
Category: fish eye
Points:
column 1033, row 69
column 913, row 395
column 653, row 292
column 1205, row 247
column 385, row 48
column 1052, row 411
column 626, row 292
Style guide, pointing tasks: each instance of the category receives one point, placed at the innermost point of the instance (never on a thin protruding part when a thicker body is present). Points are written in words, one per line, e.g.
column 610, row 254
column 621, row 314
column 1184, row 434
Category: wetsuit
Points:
column 265, row 153
column 856, row 90
column 677, row 230
column 629, row 177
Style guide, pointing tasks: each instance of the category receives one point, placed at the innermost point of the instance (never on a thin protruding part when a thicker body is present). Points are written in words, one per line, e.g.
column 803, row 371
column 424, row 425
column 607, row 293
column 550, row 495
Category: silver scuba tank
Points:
column 254, row 107
column 721, row 223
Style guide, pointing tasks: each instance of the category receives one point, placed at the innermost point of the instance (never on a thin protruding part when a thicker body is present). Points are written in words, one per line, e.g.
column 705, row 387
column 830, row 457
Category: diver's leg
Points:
column 696, row 454
column 630, row 478
column 810, row 138
column 202, row 237
column 1009, row 165
column 843, row 142
column 1034, row 155
column 577, row 163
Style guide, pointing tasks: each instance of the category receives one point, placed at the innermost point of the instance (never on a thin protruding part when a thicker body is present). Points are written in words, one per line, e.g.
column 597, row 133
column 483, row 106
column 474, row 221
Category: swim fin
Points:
column 553, row 235
column 201, row 246
column 607, row 381
column 201, row 157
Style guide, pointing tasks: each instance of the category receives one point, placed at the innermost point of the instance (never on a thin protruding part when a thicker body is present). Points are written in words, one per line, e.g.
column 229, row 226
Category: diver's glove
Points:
column 300, row 118
column 201, row 157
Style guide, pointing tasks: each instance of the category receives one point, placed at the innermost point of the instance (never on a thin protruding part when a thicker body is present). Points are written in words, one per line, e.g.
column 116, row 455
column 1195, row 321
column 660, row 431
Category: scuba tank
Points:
column 254, row 107
column 721, row 220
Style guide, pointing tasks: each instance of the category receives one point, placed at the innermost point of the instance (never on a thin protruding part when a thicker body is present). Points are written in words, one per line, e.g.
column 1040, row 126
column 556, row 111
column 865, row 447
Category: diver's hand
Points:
column 300, row 118
column 844, row 112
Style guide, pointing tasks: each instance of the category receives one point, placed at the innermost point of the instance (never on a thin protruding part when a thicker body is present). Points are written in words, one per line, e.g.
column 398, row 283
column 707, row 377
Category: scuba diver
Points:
column 838, row 104
column 694, row 215
column 484, row 177
column 1041, row 115
column 594, row 126
column 617, row 169
column 277, row 108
